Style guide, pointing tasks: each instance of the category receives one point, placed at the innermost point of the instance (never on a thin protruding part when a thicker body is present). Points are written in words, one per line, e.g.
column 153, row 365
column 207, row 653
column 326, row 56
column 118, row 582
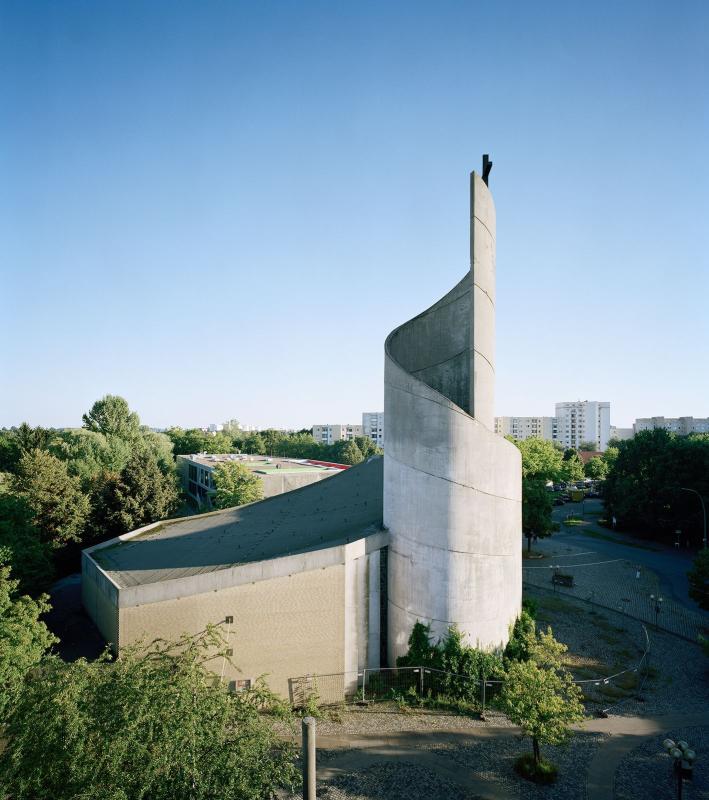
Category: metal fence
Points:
column 619, row 585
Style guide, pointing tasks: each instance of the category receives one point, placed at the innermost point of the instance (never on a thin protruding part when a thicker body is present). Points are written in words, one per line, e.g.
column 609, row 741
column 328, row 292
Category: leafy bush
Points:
column 544, row 772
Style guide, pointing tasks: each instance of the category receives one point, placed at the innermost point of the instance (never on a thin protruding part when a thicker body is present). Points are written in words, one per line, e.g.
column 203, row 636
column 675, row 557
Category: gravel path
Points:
column 646, row 772
column 400, row 780
column 493, row 760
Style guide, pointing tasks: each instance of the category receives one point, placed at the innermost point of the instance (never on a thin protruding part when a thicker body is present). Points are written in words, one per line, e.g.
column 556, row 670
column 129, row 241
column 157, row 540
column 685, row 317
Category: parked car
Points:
column 558, row 501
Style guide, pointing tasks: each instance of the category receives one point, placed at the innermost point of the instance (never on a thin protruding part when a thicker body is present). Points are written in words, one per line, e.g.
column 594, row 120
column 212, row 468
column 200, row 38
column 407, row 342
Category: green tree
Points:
column 422, row 651
column 112, row 416
column 142, row 493
column 572, row 466
column 28, row 556
column 87, row 453
column 346, row 452
column 254, row 445
column 540, row 695
column 596, row 468
column 588, row 447
column 541, row 460
column 235, row 485
column 699, row 579
column 24, row 640
column 536, row 510
column 367, row 447
column 148, row 725
column 523, row 638
column 54, row 497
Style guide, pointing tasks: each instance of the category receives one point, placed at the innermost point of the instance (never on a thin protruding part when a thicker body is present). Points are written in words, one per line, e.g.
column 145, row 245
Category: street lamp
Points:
column 683, row 757
column 656, row 602
column 704, row 511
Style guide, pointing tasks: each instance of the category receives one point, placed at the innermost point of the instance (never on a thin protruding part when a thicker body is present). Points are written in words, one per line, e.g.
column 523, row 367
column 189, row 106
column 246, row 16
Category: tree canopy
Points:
column 111, row 416
column 24, row 639
column 540, row 696
column 152, row 724
column 643, row 489
column 235, row 485
column 699, row 579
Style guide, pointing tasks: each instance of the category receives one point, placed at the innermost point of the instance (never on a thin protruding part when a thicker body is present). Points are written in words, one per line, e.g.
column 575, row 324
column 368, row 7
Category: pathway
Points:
column 361, row 751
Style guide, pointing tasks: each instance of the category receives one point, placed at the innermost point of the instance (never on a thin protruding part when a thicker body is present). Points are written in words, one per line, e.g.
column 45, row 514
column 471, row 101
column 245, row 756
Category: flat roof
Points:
column 323, row 514
column 264, row 464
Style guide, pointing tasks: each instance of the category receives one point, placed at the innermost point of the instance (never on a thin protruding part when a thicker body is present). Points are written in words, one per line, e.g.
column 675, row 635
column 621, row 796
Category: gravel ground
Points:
column 400, row 780
column 646, row 772
column 493, row 759
column 387, row 718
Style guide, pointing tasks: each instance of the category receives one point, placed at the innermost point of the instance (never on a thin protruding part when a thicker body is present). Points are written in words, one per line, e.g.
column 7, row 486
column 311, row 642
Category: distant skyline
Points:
column 220, row 210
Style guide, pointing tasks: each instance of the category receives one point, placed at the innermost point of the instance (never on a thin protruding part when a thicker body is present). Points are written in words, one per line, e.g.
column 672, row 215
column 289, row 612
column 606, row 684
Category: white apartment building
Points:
column 583, row 421
column 328, row 434
column 373, row 426
column 621, row 433
column 527, row 427
column 679, row 425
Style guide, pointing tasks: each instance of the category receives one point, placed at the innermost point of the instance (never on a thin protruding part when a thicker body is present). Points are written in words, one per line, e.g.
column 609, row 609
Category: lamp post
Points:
column 656, row 606
column 683, row 757
column 704, row 511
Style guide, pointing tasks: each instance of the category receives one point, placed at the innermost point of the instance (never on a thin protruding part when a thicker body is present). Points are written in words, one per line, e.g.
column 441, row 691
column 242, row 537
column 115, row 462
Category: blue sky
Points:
column 220, row 209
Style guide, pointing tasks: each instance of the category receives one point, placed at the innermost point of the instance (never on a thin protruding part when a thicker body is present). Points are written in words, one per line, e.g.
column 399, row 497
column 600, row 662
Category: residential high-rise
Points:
column 680, row 425
column 584, row 421
column 373, row 426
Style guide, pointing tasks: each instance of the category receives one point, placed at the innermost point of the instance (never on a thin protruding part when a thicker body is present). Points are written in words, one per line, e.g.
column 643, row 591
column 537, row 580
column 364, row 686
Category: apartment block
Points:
column 373, row 426
column 527, row 427
column 328, row 434
column 583, row 421
column 679, row 425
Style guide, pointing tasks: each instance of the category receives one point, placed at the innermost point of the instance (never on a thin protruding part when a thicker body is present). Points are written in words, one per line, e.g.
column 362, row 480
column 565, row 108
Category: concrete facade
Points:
column 299, row 574
column 452, row 487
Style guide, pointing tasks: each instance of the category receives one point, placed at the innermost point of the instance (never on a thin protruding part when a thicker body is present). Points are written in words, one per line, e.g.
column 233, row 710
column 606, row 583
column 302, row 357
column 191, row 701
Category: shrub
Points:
column 544, row 772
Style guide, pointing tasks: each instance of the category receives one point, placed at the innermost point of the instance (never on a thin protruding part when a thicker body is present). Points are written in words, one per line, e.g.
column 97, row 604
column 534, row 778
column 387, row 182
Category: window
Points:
column 240, row 685
column 192, row 472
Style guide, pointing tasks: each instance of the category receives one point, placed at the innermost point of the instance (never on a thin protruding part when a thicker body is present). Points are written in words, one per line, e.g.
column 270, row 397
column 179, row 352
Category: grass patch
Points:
column 573, row 521
column 606, row 538
column 557, row 604
column 545, row 772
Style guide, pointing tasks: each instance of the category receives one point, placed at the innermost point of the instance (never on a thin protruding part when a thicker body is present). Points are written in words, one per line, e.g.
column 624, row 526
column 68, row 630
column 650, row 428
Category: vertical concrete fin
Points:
column 482, row 327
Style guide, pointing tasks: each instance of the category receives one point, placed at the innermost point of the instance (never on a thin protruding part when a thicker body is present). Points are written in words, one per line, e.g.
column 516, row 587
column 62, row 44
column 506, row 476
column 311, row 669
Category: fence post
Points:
column 421, row 681
column 482, row 715
column 308, row 728
column 364, row 684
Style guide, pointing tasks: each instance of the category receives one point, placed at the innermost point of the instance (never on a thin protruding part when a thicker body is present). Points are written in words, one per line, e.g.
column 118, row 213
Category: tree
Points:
column 540, row 695
column 588, row 447
column 87, row 453
column 235, row 485
column 139, row 495
column 149, row 725
column 541, row 460
column 536, row 510
column 231, row 427
column 699, row 579
column 572, row 466
column 111, row 416
column 367, row 447
column 29, row 557
column 254, row 444
column 346, row 452
column 596, row 468
column 23, row 638
column 54, row 497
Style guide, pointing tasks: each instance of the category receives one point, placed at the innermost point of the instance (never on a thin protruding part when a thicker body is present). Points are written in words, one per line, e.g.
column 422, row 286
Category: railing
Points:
column 619, row 585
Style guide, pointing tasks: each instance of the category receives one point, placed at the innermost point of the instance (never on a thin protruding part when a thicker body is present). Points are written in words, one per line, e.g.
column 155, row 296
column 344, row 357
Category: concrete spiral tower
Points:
column 452, row 487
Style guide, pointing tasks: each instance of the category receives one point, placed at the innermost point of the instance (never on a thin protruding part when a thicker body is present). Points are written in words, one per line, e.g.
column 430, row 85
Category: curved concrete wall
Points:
column 452, row 487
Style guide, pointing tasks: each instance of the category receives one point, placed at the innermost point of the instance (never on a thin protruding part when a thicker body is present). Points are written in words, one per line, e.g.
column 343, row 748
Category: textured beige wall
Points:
column 100, row 599
column 287, row 626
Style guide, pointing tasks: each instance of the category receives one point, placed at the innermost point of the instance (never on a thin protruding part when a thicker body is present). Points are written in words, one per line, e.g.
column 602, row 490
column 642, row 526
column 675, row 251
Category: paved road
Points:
column 671, row 565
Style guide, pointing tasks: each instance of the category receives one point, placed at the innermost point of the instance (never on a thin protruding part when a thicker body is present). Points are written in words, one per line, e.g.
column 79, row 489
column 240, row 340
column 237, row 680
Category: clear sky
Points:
column 220, row 209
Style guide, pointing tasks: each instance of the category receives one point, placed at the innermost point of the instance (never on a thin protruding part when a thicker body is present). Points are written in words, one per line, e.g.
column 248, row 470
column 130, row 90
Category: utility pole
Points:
column 309, row 772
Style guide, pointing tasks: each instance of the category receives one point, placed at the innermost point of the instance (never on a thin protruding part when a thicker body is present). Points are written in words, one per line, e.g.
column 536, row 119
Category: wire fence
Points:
column 411, row 684
column 619, row 585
